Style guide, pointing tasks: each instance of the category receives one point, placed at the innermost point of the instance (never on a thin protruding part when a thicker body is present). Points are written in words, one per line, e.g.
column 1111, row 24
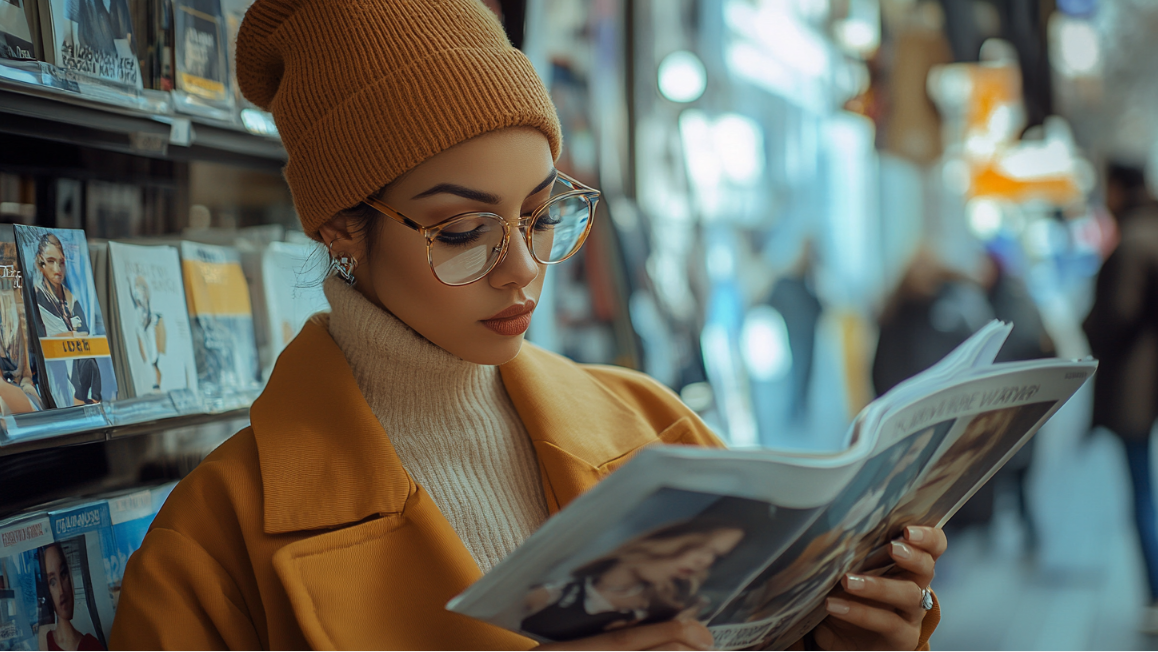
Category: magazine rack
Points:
column 38, row 99
column 122, row 418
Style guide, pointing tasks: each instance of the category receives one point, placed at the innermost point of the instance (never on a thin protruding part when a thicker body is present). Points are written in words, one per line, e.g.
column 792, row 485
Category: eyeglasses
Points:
column 466, row 247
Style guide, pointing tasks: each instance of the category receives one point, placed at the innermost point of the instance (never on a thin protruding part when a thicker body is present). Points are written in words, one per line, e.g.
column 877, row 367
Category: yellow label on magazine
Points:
column 216, row 289
column 67, row 348
column 201, row 87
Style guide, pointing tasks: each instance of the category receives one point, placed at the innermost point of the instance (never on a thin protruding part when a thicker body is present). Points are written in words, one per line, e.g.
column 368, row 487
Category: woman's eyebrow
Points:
column 461, row 191
column 546, row 182
column 479, row 195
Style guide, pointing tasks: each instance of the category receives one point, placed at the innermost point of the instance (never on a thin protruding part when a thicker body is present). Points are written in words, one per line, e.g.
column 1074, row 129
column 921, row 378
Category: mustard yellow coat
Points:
column 304, row 531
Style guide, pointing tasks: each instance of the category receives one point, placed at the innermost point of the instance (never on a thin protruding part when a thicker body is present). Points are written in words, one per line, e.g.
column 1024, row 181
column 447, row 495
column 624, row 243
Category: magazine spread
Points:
column 152, row 321
column 221, row 317
column 202, row 64
column 62, row 299
column 751, row 542
column 18, row 392
column 15, row 32
column 93, row 37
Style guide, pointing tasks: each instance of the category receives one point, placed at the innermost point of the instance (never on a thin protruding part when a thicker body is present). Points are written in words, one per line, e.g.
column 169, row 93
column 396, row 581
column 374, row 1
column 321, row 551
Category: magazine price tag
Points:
column 181, row 132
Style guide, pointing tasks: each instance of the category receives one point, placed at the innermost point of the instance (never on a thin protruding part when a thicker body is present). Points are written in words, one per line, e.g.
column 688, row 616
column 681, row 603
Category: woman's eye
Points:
column 459, row 238
column 547, row 221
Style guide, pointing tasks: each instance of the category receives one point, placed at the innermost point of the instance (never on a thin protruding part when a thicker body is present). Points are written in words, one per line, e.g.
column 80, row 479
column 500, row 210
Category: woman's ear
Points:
column 338, row 237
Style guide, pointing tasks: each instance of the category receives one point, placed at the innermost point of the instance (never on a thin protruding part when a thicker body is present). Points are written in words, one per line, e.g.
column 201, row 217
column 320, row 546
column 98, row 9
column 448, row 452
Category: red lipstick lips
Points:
column 513, row 321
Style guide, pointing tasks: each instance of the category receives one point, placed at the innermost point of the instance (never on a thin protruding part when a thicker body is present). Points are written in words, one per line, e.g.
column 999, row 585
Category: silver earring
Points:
column 344, row 266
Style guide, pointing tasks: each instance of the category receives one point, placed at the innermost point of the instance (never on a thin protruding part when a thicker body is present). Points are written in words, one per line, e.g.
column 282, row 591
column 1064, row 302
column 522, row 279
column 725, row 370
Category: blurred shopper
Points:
column 1123, row 332
column 933, row 311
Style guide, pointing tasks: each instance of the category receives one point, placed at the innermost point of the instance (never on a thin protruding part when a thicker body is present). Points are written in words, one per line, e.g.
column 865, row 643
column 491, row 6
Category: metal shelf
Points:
column 62, row 113
column 117, row 419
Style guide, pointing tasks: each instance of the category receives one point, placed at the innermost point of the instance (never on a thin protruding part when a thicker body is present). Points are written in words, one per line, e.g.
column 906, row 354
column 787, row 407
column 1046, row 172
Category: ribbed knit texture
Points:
column 451, row 422
column 364, row 90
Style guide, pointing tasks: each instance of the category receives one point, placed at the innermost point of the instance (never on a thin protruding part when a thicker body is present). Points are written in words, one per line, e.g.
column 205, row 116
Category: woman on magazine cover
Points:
column 409, row 440
column 58, row 578
column 61, row 315
column 150, row 329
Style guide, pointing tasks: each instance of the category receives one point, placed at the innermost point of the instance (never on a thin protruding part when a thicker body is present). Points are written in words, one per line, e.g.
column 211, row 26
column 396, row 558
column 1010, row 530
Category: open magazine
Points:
column 751, row 542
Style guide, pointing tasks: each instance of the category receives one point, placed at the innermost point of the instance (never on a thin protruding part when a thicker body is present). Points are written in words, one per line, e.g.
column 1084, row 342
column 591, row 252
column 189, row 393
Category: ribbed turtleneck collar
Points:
column 391, row 360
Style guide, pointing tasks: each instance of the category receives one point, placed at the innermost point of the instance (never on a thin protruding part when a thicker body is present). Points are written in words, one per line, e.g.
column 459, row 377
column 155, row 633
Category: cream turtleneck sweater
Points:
column 451, row 422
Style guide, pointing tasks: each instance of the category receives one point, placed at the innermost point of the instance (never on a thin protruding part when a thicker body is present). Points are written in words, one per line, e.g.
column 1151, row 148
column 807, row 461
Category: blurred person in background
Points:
column 934, row 310
column 1123, row 332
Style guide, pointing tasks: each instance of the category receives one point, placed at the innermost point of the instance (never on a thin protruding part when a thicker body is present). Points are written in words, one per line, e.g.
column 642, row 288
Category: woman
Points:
column 409, row 440
column 652, row 578
column 61, row 315
column 64, row 636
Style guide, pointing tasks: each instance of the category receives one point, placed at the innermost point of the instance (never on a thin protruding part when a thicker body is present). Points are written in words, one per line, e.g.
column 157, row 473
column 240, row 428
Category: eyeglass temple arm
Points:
column 393, row 214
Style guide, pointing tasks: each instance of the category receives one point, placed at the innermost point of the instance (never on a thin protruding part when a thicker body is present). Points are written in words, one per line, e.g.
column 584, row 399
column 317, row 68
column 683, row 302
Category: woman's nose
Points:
column 518, row 267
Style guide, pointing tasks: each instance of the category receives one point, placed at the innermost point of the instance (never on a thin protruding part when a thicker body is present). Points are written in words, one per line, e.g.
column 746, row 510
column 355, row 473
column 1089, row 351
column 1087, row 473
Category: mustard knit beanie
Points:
column 364, row 90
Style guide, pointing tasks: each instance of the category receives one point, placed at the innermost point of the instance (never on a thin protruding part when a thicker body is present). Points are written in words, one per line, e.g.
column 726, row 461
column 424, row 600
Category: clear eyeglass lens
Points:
column 560, row 229
column 467, row 248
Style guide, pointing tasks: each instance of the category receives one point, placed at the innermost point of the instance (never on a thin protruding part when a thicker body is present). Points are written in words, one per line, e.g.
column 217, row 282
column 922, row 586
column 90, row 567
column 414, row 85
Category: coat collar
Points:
column 326, row 460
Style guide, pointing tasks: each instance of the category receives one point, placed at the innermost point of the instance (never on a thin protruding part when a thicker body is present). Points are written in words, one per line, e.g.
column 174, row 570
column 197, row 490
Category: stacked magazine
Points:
column 19, row 392
column 221, row 316
column 153, row 343
column 72, row 351
column 751, row 542
column 61, row 568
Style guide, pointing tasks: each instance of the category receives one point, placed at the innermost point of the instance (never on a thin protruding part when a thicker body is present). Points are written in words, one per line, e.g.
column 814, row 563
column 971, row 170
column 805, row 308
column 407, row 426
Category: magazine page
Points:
column 61, row 297
column 221, row 317
column 202, row 64
column 18, row 392
column 15, row 33
column 677, row 530
column 96, row 38
column 291, row 295
column 20, row 538
column 153, row 317
column 931, row 456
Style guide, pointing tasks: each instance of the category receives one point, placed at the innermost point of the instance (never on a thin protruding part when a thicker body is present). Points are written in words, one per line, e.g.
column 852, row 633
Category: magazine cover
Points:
column 61, row 296
column 20, row 537
column 18, row 392
column 84, row 533
column 93, row 37
column 131, row 513
column 624, row 553
column 15, row 32
column 53, row 562
column 152, row 318
column 290, row 298
column 221, row 317
column 202, row 63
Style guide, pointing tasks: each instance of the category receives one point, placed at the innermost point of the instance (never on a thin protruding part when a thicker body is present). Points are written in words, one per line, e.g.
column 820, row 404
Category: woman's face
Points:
column 687, row 556
column 506, row 172
column 59, row 583
column 52, row 265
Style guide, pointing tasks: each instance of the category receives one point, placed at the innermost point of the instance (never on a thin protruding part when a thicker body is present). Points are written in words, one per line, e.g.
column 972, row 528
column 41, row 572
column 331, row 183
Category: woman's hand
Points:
column 672, row 635
column 884, row 613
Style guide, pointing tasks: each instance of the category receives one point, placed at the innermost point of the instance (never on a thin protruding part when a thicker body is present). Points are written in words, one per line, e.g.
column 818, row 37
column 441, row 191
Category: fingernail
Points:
column 855, row 583
column 837, row 606
column 901, row 550
column 702, row 638
column 915, row 533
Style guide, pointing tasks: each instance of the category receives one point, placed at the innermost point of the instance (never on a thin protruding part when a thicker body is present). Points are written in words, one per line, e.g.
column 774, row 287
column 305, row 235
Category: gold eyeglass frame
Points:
column 589, row 194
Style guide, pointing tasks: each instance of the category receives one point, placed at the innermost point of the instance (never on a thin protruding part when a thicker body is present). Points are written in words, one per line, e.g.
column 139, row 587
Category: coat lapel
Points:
column 581, row 430
column 371, row 561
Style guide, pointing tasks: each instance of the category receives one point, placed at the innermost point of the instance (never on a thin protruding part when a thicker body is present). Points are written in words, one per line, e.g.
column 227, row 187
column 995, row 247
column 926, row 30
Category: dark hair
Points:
column 45, row 240
column 1129, row 177
column 364, row 223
